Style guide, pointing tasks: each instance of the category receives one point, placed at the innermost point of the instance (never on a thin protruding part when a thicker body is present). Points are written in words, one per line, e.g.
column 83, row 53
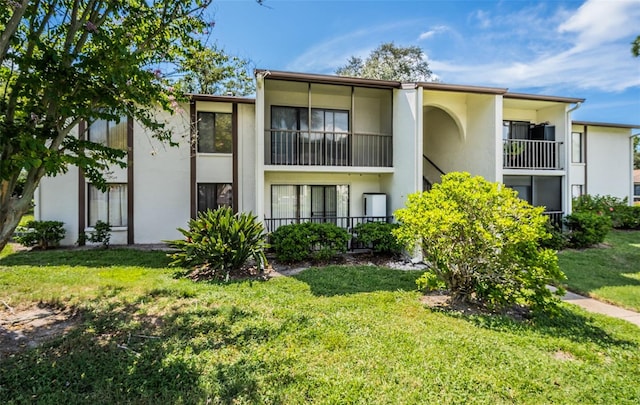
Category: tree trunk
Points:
column 11, row 211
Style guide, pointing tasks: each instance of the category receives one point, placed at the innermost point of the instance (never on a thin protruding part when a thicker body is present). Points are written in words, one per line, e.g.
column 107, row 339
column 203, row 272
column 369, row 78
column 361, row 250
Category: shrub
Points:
column 557, row 239
column 379, row 236
column 618, row 210
column 101, row 234
column 483, row 242
column 626, row 217
column 586, row 228
column 309, row 240
column 430, row 281
column 42, row 234
column 222, row 242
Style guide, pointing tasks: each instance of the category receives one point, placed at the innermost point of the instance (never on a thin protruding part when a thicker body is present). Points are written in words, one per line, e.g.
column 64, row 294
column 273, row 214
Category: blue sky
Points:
column 565, row 48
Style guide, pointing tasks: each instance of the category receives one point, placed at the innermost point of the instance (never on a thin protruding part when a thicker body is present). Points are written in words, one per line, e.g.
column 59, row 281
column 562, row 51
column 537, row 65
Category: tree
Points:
column 390, row 62
column 635, row 47
column 212, row 71
column 67, row 61
column 482, row 241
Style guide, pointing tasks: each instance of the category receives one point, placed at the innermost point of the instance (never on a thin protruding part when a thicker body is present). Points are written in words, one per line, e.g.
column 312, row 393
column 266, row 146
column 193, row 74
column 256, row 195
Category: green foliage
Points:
column 429, row 281
column 43, row 234
column 221, row 241
column 211, row 71
column 635, row 47
column 482, row 241
column 67, row 61
column 390, row 62
column 309, row 240
column 378, row 235
column 101, row 234
column 557, row 239
column 586, row 228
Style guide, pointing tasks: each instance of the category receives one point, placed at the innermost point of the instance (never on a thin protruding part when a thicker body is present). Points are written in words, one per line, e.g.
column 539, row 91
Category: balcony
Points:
column 532, row 155
column 314, row 148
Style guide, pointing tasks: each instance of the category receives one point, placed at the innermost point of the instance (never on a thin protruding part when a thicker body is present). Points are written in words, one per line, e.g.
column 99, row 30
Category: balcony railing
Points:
column 347, row 223
column 528, row 154
column 313, row 148
column 555, row 217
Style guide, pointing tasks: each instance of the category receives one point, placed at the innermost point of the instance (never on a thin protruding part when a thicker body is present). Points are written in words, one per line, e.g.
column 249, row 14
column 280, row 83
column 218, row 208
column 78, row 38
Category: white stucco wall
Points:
column 247, row 162
column 56, row 199
column 161, row 181
column 460, row 132
column 608, row 161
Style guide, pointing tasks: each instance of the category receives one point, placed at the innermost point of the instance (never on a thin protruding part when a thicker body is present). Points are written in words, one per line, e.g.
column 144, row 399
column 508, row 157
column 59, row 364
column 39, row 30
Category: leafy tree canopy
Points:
column 635, row 47
column 390, row 62
column 67, row 61
column 211, row 71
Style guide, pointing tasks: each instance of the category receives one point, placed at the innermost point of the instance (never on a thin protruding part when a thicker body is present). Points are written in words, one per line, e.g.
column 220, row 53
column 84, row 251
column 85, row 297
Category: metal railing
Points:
column 529, row 154
column 314, row 148
column 555, row 217
column 347, row 223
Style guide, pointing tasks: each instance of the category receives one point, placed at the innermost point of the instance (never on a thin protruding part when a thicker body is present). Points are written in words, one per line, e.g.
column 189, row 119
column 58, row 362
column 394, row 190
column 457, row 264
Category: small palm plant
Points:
column 221, row 242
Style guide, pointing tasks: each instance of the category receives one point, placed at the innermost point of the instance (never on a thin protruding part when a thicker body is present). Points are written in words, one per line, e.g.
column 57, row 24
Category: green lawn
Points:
column 608, row 273
column 335, row 335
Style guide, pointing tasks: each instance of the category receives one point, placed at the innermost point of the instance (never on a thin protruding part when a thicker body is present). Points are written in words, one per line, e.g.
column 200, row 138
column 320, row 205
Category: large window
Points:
column 109, row 133
column 108, row 206
column 294, row 142
column 214, row 195
column 540, row 191
column 214, row 132
column 309, row 201
column 577, row 148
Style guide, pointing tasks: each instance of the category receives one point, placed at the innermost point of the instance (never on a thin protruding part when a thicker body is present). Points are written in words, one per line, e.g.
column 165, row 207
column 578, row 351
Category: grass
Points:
column 610, row 273
column 328, row 335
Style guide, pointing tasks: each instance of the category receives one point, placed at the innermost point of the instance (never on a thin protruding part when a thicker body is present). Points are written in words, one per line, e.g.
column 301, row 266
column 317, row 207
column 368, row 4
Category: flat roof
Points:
column 462, row 88
column 605, row 124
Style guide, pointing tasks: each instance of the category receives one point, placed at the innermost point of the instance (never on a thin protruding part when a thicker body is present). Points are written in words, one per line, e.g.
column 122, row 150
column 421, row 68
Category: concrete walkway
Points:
column 599, row 307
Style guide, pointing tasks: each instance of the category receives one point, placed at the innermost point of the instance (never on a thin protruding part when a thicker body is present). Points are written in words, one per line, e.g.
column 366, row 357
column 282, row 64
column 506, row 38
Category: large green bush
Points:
column 482, row 241
column 41, row 234
column 308, row 241
column 586, row 228
column 379, row 236
column 617, row 209
column 221, row 241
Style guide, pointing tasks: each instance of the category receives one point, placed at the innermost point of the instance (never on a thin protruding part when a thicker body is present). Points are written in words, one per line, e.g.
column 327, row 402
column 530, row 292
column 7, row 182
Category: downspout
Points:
column 631, row 193
column 567, row 158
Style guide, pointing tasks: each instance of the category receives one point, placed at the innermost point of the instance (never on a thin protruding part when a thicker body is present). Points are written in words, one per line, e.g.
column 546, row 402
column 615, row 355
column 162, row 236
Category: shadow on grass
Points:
column 88, row 257
column 562, row 323
column 342, row 280
column 119, row 353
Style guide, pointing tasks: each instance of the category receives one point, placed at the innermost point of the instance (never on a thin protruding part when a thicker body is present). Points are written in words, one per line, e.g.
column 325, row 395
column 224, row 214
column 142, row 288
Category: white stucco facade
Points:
column 398, row 138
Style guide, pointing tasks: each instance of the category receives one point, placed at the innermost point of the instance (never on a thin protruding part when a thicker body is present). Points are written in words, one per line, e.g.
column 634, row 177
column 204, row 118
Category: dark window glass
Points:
column 214, row 195
column 214, row 132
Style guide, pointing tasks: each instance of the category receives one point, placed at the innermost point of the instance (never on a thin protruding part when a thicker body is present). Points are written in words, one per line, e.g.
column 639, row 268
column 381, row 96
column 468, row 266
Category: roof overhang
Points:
column 327, row 79
column 462, row 88
column 221, row 99
column 605, row 124
column 540, row 97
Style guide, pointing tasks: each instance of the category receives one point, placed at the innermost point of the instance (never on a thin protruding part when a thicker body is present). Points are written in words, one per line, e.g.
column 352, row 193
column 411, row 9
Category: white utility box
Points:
column 375, row 204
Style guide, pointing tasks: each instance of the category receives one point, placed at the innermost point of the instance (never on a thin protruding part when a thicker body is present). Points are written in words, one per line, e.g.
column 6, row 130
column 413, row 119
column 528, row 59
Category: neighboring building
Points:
column 345, row 150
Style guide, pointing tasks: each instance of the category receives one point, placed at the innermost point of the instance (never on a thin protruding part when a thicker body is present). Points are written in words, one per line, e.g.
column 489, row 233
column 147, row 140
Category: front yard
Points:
column 610, row 272
column 328, row 335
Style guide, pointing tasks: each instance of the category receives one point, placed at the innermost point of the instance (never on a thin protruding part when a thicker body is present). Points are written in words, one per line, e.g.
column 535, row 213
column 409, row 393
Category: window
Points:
column 109, row 133
column 214, row 195
column 325, row 143
column 515, row 129
column 540, row 191
column 577, row 150
column 109, row 206
column 214, row 132
column 307, row 201
column 636, row 189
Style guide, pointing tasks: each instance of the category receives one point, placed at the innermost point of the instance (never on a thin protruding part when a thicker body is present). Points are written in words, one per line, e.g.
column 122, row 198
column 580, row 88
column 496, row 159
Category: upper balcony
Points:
column 532, row 155
column 329, row 126
column 319, row 148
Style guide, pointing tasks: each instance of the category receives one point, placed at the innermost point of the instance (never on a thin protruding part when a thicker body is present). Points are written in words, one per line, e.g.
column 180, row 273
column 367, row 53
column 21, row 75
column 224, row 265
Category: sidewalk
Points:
column 599, row 307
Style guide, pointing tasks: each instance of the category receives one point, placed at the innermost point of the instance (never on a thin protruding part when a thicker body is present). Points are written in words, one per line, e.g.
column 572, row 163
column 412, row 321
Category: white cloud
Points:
column 438, row 29
column 599, row 21
column 482, row 17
